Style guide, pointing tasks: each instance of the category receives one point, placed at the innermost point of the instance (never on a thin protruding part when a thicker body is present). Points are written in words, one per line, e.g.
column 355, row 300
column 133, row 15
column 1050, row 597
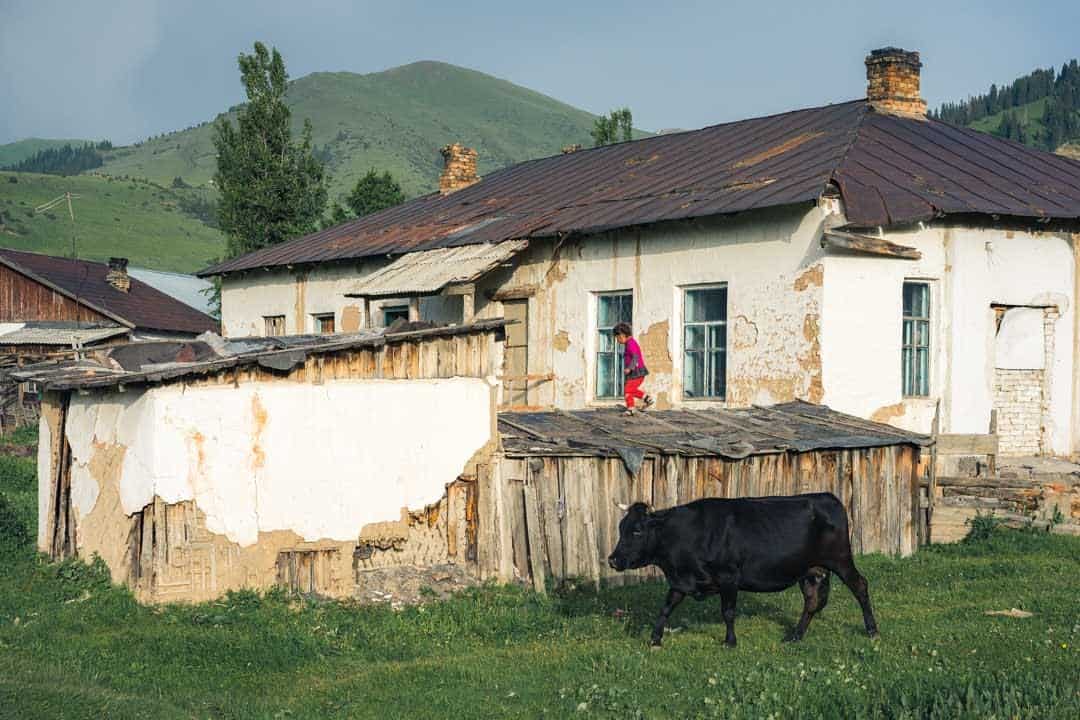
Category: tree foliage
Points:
column 1060, row 118
column 617, row 126
column 374, row 192
column 66, row 160
column 272, row 187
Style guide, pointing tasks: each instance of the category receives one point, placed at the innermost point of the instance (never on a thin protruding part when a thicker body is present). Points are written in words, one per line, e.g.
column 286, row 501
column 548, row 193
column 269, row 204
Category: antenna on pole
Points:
column 67, row 197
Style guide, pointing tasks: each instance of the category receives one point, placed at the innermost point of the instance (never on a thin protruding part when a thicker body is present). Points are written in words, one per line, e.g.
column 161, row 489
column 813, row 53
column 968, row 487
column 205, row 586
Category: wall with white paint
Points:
column 767, row 259
column 298, row 295
column 320, row 460
column 970, row 269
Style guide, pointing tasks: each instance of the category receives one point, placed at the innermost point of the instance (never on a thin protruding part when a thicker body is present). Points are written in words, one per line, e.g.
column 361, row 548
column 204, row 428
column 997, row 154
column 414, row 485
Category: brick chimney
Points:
column 118, row 274
column 892, row 82
column 459, row 170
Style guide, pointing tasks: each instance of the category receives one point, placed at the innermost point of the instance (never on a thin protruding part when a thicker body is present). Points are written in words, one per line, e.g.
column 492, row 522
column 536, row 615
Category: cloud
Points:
column 70, row 67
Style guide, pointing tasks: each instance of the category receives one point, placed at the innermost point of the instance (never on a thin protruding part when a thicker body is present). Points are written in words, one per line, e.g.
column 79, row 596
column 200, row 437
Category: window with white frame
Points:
column 611, row 309
column 915, row 349
column 705, row 343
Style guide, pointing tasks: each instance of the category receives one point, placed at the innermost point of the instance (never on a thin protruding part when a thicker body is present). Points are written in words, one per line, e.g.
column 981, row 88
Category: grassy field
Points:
column 131, row 218
column 73, row 646
column 393, row 120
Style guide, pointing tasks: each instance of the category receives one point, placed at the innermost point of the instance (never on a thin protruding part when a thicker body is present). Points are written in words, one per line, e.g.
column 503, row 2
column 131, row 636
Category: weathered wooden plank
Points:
column 534, row 523
column 967, row 444
column 868, row 245
column 551, row 508
column 590, row 506
column 989, row 483
column 487, row 550
column 504, row 522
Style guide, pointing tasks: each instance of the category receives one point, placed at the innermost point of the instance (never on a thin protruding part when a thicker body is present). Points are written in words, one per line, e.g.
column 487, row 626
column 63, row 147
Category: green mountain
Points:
column 393, row 120
column 1040, row 109
column 13, row 152
column 155, row 227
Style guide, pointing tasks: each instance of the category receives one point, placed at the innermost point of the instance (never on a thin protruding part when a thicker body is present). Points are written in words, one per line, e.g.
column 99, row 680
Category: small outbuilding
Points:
column 347, row 465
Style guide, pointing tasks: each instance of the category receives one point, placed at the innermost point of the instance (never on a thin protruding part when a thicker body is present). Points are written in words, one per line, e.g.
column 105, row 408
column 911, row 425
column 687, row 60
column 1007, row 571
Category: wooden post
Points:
column 468, row 307
column 931, row 493
column 414, row 309
column 992, row 462
column 366, row 321
column 533, row 521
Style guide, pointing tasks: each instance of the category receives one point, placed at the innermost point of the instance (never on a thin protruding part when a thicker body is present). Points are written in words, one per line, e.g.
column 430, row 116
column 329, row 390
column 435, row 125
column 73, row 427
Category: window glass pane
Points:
column 694, row 374
column 922, row 370
column 605, row 375
column 717, row 374
column 717, row 337
column 606, row 341
column 922, row 333
column 695, row 337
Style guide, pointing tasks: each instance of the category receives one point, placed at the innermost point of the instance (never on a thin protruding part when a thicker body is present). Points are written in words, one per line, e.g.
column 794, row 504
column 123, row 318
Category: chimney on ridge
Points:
column 459, row 170
column 118, row 274
column 892, row 82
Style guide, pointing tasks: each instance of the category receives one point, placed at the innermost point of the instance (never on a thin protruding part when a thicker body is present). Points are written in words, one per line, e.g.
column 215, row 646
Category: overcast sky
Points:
column 126, row 69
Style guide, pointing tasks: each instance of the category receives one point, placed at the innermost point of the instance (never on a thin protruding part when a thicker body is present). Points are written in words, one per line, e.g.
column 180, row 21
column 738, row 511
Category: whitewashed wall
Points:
column 247, row 297
column 767, row 260
column 969, row 269
column 320, row 460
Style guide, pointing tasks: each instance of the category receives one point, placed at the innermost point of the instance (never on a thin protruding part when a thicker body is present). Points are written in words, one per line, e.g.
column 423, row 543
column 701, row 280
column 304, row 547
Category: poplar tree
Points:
column 272, row 187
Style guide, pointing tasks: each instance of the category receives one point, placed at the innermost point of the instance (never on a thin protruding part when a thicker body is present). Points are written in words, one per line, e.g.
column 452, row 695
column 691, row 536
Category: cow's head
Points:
column 635, row 534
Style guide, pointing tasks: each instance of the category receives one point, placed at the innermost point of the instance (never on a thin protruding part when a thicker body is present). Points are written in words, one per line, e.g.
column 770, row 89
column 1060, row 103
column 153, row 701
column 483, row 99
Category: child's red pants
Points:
column 632, row 390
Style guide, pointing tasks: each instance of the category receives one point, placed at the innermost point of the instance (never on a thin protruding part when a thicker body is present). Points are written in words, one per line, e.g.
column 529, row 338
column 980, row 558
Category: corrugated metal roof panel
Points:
column 29, row 334
column 890, row 170
column 429, row 271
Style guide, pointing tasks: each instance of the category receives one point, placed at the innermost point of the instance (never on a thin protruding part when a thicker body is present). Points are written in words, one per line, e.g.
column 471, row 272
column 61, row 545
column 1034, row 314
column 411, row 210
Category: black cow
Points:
column 717, row 546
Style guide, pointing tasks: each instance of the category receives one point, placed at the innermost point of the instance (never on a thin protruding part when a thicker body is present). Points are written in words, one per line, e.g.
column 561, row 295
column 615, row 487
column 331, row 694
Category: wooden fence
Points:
column 554, row 518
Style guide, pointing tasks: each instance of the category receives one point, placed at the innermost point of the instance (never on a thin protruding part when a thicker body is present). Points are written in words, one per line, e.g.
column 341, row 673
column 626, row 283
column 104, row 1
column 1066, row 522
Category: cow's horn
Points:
column 622, row 507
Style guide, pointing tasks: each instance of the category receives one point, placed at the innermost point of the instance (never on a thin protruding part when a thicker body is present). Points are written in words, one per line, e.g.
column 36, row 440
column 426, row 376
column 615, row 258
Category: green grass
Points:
column 74, row 646
column 130, row 218
column 13, row 152
column 393, row 120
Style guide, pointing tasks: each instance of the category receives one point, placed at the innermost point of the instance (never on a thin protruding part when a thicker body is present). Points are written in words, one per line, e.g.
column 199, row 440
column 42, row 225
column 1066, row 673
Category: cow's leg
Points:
column 674, row 597
column 815, row 590
column 727, row 606
column 861, row 590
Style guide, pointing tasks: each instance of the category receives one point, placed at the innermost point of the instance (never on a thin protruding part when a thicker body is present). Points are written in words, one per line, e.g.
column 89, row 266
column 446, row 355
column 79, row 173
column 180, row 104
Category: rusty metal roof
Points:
column 889, row 169
column 428, row 272
column 142, row 307
column 732, row 433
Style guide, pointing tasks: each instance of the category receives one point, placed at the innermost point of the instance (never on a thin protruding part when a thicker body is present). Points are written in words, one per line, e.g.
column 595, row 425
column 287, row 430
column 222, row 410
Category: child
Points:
column 634, row 368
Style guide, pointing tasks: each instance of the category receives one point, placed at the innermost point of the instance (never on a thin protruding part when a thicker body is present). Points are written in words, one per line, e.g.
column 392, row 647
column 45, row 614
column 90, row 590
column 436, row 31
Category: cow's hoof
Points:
column 730, row 644
column 873, row 634
column 793, row 638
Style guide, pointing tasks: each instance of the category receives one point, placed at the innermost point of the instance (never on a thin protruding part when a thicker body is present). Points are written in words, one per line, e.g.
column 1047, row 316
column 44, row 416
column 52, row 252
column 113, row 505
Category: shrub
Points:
column 982, row 527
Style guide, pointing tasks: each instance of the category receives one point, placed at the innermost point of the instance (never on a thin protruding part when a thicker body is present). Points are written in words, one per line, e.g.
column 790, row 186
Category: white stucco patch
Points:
column 1020, row 341
column 322, row 461
column 44, row 474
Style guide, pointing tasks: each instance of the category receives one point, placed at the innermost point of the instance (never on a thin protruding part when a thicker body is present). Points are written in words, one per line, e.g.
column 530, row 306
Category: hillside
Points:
column 13, row 152
column 1040, row 109
column 393, row 120
column 135, row 219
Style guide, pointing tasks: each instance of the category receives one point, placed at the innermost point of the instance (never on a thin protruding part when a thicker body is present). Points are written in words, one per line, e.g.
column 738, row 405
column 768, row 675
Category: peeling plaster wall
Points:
column 321, row 461
column 969, row 269
column 247, row 297
column 769, row 260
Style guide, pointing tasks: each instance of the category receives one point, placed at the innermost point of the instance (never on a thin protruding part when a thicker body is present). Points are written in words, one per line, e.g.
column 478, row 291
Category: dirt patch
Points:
column 812, row 277
column 654, row 346
column 258, row 412
column 775, row 150
column 409, row 585
column 810, row 361
column 888, row 413
column 350, row 318
column 561, row 341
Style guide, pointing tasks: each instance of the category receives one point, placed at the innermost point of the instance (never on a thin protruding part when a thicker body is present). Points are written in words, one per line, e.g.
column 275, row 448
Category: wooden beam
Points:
column 460, row 289
column 414, row 309
column 518, row 292
column 868, row 245
column 967, row 444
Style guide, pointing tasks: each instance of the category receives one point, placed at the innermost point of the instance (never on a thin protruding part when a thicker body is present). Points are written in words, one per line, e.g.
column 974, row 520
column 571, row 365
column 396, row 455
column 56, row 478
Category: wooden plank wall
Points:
column 551, row 519
column 23, row 299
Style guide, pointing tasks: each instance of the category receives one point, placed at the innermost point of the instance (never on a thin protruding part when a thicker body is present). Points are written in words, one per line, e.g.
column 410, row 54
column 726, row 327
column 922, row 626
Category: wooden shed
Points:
column 548, row 503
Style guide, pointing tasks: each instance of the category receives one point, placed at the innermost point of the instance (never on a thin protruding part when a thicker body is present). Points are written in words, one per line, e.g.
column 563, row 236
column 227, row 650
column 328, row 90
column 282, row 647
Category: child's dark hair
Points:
column 622, row 329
